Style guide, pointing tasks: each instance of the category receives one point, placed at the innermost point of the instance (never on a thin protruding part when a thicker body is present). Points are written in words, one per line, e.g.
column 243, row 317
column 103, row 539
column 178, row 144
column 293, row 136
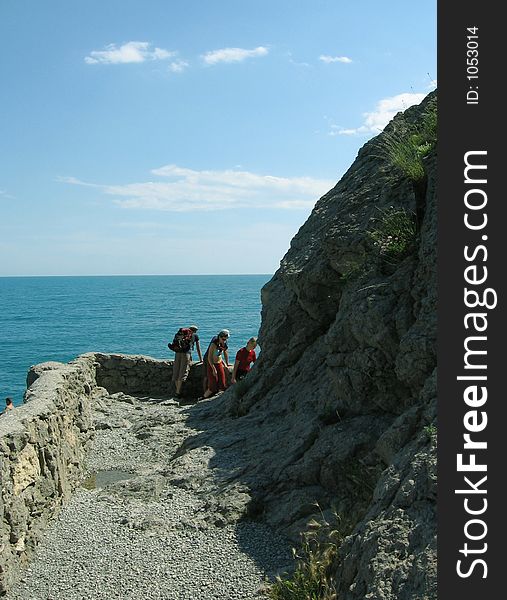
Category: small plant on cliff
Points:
column 394, row 233
column 431, row 432
column 351, row 273
column 317, row 559
column 406, row 146
column 405, row 154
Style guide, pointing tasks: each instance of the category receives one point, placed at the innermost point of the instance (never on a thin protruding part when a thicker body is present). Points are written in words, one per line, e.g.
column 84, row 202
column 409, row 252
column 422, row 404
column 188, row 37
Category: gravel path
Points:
column 168, row 529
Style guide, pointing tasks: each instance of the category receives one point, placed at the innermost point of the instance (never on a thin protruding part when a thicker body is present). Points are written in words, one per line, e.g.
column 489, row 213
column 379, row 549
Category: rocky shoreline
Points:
column 172, row 525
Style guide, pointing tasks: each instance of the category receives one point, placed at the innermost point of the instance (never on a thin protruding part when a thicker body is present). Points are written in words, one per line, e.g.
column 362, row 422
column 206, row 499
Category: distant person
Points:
column 215, row 372
column 8, row 406
column 244, row 359
column 223, row 343
column 184, row 342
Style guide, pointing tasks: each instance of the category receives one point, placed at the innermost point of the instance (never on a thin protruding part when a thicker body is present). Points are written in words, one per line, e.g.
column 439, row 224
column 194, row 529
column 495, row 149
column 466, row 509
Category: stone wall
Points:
column 42, row 450
column 144, row 376
column 140, row 375
column 43, row 443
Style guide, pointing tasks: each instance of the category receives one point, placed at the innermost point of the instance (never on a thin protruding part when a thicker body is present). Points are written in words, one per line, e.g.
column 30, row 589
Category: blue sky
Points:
column 172, row 137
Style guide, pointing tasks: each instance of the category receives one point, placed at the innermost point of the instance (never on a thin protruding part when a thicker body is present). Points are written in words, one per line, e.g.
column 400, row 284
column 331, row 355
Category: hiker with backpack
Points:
column 214, row 365
column 182, row 345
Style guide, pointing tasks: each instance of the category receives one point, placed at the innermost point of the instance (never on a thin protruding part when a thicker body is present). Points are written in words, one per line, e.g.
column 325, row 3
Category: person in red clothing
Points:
column 244, row 359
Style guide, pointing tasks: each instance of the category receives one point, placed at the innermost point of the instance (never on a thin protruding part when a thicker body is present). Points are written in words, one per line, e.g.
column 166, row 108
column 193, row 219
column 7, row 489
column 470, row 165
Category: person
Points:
column 8, row 405
column 183, row 359
column 215, row 372
column 245, row 357
column 214, row 340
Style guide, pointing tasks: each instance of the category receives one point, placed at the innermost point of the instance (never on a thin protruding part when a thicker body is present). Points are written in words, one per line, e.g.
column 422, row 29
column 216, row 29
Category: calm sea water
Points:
column 58, row 318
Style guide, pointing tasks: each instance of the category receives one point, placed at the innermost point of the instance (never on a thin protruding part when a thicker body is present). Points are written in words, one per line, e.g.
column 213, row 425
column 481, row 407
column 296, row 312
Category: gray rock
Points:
column 333, row 413
column 336, row 405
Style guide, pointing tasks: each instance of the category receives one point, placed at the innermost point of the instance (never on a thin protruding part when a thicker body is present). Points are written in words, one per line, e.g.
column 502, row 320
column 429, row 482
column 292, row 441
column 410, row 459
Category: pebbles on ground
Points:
column 152, row 532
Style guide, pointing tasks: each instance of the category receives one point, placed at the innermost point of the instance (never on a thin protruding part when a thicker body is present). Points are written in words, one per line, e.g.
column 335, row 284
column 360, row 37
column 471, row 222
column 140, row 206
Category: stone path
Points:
column 158, row 519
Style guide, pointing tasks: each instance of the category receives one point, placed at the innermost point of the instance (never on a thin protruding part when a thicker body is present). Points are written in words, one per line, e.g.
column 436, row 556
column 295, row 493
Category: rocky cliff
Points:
column 337, row 416
column 340, row 408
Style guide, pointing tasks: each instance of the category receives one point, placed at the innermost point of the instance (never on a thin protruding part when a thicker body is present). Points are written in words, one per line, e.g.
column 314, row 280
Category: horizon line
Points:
column 139, row 275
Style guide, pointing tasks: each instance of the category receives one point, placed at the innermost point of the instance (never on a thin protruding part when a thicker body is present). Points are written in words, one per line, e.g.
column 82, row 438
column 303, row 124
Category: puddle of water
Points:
column 101, row 479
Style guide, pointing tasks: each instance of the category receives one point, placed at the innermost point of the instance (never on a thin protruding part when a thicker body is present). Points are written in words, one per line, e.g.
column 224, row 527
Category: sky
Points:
column 189, row 137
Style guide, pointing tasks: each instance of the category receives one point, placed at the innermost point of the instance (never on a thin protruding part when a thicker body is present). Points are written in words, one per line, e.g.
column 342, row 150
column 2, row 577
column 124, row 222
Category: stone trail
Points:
column 171, row 530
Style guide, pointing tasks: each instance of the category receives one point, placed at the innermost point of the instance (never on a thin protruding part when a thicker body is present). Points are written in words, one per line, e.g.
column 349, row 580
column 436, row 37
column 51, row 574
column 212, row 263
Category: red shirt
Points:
column 245, row 357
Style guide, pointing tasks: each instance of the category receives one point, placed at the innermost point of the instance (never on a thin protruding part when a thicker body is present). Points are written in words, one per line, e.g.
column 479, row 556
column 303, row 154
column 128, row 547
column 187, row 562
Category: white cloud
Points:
column 333, row 59
column 229, row 55
column 375, row 121
column 178, row 66
column 295, row 62
column 75, row 181
column 4, row 194
column 189, row 190
column 130, row 52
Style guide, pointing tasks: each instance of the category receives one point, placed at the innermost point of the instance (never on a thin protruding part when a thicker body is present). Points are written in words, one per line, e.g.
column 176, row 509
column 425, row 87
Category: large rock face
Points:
column 340, row 407
column 339, row 410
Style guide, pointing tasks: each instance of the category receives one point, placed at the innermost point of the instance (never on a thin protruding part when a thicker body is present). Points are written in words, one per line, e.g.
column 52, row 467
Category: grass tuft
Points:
column 351, row 273
column 394, row 233
column 431, row 432
column 317, row 560
column 407, row 146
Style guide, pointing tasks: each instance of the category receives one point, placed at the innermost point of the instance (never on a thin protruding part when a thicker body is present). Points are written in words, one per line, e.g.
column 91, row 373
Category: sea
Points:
column 59, row 318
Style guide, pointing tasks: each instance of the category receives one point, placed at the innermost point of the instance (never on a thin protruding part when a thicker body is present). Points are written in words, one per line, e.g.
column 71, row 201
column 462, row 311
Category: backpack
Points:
column 182, row 340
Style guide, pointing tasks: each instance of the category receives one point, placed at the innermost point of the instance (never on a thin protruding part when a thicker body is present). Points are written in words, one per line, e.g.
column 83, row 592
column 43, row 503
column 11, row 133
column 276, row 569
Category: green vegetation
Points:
column 319, row 556
column 394, row 233
column 431, row 431
column 406, row 146
column 351, row 273
column 310, row 580
column 317, row 560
